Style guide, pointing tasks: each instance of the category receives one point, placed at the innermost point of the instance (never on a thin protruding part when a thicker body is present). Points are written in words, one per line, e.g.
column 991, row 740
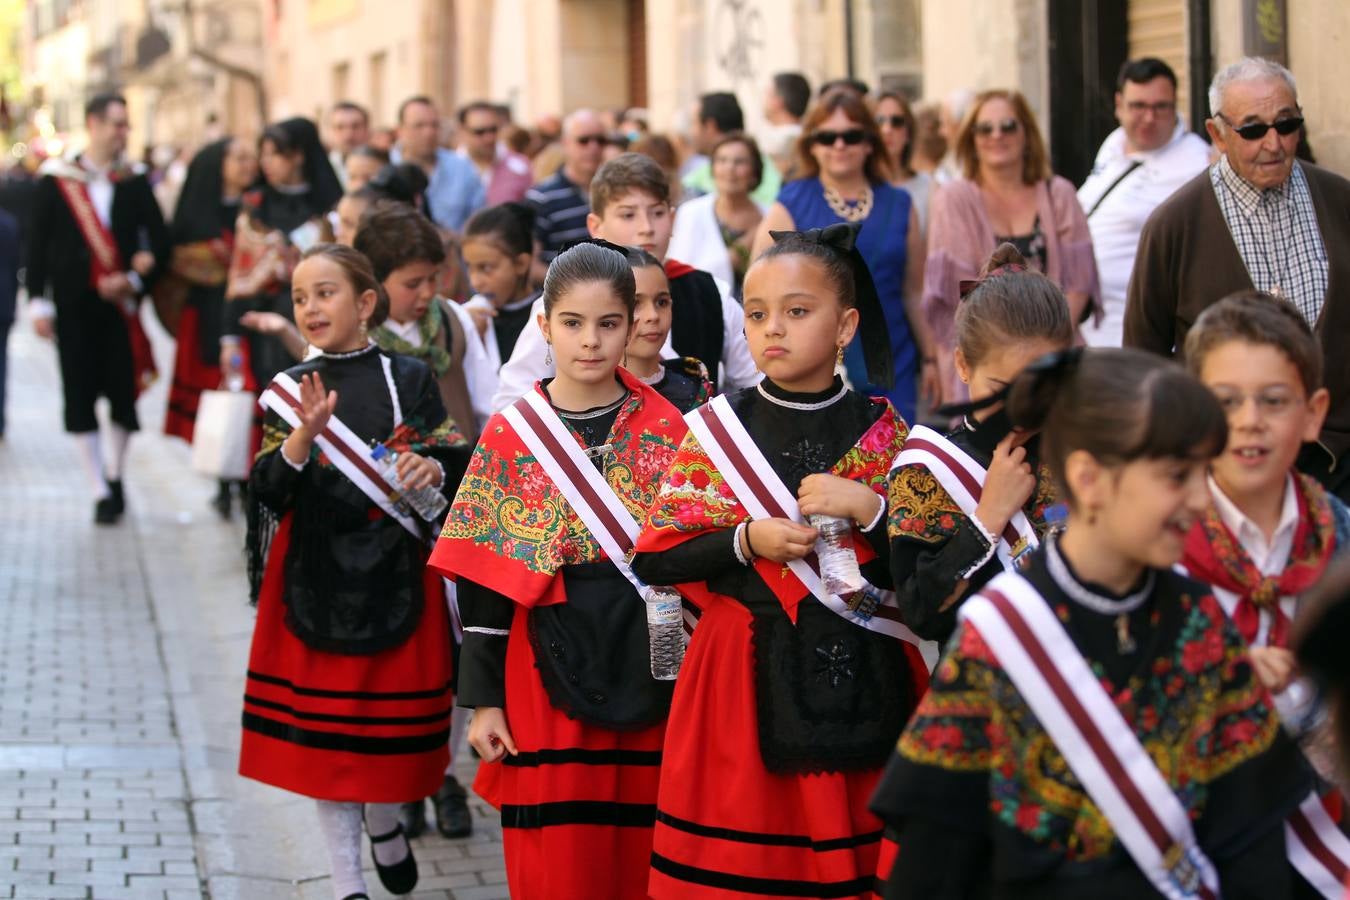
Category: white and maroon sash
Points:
column 563, row 460
column 764, row 496
column 963, row 480
column 104, row 256
column 345, row 450
column 1102, row 749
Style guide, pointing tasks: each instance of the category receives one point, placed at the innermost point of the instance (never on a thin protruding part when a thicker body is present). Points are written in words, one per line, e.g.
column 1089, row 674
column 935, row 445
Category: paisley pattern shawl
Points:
column 921, row 510
column 511, row 530
column 695, row 499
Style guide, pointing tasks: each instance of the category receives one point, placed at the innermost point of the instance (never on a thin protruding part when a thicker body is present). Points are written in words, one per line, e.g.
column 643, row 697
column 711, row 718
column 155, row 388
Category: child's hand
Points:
column 265, row 322
column 780, row 540
column 481, row 316
column 316, row 406
column 1274, row 666
column 490, row 735
column 834, row 496
column 1008, row 485
column 416, row 472
column 142, row 261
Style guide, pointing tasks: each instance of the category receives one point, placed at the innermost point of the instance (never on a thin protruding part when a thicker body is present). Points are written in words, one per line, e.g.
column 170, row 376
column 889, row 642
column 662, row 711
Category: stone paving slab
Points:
column 122, row 654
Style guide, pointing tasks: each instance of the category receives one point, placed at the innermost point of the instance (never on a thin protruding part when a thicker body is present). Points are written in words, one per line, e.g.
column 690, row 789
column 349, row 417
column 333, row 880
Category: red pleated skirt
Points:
column 578, row 801
column 726, row 826
column 367, row 729
column 191, row 376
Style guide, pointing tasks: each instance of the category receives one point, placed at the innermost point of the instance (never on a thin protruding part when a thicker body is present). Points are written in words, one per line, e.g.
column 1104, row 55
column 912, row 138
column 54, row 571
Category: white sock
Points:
column 91, row 457
column 118, row 437
column 459, row 728
column 382, row 818
column 341, row 827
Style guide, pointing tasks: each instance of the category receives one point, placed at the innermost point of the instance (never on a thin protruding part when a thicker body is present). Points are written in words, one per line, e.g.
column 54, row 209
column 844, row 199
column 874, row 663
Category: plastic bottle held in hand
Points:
column 427, row 502
column 235, row 380
column 665, row 631
column 834, row 550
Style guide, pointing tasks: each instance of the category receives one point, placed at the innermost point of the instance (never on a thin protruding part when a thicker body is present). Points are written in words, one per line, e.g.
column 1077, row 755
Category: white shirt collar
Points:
column 407, row 331
column 1270, row 557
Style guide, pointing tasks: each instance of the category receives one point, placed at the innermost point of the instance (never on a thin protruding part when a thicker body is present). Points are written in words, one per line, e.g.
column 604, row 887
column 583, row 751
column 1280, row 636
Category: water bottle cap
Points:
column 379, row 451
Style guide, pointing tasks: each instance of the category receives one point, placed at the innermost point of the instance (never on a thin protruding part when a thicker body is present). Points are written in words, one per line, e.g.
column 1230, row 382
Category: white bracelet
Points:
column 736, row 543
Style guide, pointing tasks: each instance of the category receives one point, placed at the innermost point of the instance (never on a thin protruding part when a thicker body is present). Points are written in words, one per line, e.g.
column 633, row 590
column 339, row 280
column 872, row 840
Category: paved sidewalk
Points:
column 122, row 655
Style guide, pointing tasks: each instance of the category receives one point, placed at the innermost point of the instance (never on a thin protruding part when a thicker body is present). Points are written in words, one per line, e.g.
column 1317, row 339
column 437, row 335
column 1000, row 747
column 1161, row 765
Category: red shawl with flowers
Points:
column 695, row 499
column 1214, row 556
column 511, row 530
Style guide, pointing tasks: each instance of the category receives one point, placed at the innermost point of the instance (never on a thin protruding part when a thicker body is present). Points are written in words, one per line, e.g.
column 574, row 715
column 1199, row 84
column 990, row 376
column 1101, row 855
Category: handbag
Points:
column 220, row 439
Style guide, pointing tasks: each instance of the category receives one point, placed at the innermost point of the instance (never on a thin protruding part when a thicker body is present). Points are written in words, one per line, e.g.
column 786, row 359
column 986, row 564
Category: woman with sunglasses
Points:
column 1007, row 194
column 843, row 164
column 895, row 118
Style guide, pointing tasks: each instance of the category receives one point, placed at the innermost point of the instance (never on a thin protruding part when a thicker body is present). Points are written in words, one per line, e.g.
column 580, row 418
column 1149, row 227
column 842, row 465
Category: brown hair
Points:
column 357, row 269
column 659, row 148
column 1255, row 317
column 586, row 262
column 628, row 172
column 908, row 113
column 1010, row 306
column 1119, row 406
column 746, row 141
column 851, row 102
column 392, row 235
column 1036, row 163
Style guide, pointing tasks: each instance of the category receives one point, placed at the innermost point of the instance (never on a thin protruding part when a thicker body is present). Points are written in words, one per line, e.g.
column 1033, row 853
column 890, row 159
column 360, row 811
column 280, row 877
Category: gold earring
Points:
column 839, row 357
column 548, row 354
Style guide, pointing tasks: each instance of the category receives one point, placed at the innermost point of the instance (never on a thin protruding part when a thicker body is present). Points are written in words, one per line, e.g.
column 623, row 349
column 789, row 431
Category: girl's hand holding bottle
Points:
column 416, row 472
column 830, row 495
column 780, row 540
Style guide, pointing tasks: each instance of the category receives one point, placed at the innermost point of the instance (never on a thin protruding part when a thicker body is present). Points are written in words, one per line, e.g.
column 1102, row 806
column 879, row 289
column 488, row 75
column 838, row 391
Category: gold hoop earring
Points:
column 548, row 354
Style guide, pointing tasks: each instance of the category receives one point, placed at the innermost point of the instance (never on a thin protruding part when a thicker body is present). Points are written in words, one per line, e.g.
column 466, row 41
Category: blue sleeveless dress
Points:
column 882, row 243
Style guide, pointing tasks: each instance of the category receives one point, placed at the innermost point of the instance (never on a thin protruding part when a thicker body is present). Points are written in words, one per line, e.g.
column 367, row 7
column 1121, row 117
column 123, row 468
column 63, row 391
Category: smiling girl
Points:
column 1095, row 727
column 568, row 719
column 348, row 691
column 682, row 380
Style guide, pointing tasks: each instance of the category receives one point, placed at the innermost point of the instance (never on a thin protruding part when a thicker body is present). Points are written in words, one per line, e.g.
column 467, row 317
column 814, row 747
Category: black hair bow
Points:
column 599, row 242
column 875, row 335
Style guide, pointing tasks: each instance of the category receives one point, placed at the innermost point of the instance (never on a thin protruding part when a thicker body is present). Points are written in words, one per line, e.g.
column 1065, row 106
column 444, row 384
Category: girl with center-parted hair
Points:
column 1095, row 727
column 348, row 698
column 568, row 718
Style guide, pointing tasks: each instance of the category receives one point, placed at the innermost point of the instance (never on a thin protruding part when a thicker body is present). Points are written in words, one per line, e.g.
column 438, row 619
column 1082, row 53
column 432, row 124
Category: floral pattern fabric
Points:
column 920, row 509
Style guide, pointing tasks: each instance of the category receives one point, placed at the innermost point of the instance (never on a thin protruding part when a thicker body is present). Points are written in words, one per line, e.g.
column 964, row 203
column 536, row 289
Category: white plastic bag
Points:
column 220, row 439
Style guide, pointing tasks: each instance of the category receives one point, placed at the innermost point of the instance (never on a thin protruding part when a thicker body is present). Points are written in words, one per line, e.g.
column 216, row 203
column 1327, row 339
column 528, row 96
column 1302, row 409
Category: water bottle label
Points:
column 663, row 608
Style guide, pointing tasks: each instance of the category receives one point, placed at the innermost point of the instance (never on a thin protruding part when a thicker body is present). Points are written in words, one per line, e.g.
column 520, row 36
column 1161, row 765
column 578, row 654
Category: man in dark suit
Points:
column 96, row 235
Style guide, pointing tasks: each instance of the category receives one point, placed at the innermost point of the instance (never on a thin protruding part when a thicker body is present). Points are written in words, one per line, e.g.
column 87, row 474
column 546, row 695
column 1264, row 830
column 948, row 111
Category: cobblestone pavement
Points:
column 122, row 655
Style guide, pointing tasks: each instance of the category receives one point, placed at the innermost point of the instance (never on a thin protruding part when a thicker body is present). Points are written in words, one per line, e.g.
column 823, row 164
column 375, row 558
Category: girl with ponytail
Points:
column 1095, row 725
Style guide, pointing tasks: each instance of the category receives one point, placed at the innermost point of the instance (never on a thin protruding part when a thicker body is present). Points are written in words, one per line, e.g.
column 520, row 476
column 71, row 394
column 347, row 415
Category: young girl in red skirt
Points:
column 790, row 696
column 348, row 692
column 568, row 719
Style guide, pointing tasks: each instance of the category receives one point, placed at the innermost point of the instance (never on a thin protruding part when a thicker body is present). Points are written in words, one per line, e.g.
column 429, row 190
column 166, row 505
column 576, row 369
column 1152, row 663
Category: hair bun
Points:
column 1005, row 254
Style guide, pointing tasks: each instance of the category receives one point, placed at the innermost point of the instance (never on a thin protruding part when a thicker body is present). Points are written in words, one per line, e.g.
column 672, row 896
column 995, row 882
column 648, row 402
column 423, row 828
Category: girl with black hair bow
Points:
column 790, row 697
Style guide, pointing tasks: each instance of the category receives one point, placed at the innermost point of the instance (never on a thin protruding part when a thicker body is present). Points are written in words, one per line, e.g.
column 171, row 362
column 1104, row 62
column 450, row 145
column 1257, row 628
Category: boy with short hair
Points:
column 1270, row 531
column 630, row 206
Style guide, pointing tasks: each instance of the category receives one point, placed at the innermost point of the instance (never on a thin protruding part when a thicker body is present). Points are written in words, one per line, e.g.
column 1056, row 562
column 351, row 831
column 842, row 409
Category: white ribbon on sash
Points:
column 345, row 450
column 963, row 480
column 764, row 496
column 1102, row 749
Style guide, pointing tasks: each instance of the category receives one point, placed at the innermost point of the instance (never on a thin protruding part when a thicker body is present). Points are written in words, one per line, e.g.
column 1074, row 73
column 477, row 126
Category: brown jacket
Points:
column 1187, row 260
column 454, row 388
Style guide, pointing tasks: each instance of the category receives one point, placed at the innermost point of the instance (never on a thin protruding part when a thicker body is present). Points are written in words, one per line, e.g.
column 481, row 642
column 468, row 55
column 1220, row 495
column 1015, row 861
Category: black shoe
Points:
column 413, row 817
column 401, row 877
column 453, row 819
column 222, row 502
column 119, row 501
column 105, row 512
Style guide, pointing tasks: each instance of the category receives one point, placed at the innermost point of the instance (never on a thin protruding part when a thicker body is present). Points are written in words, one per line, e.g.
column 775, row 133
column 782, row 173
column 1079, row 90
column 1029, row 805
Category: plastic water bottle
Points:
column 665, row 631
column 427, row 502
column 235, row 380
column 834, row 550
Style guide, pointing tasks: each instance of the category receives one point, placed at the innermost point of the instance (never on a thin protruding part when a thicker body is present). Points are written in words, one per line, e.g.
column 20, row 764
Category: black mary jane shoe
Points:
column 413, row 817
column 119, row 500
column 400, row 877
column 105, row 512
column 453, row 819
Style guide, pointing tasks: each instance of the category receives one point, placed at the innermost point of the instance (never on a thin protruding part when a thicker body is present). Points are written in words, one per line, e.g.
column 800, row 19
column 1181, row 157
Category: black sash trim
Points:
column 580, row 756
column 769, row 887
column 431, row 719
column 579, row 812
column 350, row 695
column 767, row 838
column 348, row 743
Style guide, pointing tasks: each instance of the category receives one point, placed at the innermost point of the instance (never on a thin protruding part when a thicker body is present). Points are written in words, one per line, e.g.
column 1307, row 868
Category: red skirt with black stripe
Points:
column 726, row 826
column 368, row 729
column 578, row 801
column 191, row 376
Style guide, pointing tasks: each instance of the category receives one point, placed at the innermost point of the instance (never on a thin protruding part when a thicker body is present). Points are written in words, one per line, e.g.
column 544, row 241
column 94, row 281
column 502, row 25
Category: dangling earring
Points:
column 363, row 328
column 625, row 359
column 548, row 354
column 839, row 358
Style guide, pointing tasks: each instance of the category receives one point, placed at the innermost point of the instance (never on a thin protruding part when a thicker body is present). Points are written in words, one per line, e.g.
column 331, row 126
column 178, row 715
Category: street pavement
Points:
column 122, row 655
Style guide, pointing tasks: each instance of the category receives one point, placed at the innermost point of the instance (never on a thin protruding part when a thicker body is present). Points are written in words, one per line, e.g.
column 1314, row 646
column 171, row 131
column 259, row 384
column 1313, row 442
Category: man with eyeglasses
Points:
column 562, row 201
column 1139, row 165
column 1258, row 218
column 506, row 176
column 453, row 191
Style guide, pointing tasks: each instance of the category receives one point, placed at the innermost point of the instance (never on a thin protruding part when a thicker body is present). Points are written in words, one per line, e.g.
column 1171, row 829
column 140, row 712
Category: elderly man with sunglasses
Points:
column 1257, row 218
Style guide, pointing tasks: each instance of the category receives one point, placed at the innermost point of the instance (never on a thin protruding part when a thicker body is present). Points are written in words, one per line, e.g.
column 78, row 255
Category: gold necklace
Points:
column 849, row 212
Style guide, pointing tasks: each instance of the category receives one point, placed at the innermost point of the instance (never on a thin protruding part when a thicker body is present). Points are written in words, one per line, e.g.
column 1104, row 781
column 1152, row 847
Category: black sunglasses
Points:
column 1254, row 131
column 893, row 121
column 484, row 131
column 1007, row 126
column 591, row 139
column 852, row 137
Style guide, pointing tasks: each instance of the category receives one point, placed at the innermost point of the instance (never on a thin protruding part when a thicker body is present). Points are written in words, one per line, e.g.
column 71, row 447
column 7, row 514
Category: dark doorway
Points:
column 1088, row 44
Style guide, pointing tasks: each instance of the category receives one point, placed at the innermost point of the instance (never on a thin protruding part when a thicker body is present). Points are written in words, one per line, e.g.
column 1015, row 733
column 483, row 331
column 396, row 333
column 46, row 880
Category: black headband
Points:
column 842, row 238
column 599, row 242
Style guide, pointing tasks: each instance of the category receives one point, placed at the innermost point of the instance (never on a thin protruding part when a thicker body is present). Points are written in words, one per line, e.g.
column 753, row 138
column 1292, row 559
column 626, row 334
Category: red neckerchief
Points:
column 1214, row 556
column 676, row 269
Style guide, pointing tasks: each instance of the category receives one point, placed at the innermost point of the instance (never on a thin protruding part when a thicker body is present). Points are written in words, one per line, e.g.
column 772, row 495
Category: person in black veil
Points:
column 283, row 217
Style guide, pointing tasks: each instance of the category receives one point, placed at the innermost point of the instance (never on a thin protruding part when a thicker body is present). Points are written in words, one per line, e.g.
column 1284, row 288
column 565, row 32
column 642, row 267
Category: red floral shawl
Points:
column 1214, row 556
column 510, row 529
